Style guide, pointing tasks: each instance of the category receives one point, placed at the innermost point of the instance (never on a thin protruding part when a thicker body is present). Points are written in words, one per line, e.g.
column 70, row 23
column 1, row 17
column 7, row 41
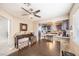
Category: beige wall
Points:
column 35, row 28
column 14, row 26
column 74, row 48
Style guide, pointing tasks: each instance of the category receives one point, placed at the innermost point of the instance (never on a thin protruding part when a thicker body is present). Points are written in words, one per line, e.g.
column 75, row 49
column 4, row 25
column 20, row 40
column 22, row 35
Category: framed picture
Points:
column 23, row 27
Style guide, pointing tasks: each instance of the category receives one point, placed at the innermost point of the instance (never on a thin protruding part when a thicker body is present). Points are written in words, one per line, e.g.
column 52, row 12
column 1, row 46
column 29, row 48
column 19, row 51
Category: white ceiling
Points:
column 47, row 11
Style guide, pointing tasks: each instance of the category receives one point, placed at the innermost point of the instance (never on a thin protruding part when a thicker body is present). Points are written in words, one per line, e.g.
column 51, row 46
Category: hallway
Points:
column 44, row 48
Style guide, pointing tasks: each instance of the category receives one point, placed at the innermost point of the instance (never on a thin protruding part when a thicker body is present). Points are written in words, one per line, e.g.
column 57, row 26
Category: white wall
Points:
column 74, row 46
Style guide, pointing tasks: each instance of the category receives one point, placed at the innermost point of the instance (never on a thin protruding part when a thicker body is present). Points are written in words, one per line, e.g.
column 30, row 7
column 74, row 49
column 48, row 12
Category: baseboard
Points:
column 12, row 51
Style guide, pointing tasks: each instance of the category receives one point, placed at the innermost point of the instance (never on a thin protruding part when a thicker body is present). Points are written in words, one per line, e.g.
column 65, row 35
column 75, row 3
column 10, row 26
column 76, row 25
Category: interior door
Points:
column 3, row 35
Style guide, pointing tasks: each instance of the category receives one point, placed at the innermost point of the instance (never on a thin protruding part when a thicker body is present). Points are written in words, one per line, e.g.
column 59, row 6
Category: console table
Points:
column 20, row 37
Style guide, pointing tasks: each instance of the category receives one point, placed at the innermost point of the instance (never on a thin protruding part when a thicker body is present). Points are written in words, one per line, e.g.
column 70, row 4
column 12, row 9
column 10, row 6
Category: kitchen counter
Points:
column 60, row 37
column 64, row 43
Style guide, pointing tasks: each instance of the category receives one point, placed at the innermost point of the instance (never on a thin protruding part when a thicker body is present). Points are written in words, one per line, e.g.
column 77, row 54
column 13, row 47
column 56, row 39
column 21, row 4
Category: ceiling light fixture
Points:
column 27, row 4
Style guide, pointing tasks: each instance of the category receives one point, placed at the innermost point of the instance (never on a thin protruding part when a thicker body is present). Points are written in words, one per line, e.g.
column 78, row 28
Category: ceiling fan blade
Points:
column 37, row 16
column 26, row 10
column 37, row 11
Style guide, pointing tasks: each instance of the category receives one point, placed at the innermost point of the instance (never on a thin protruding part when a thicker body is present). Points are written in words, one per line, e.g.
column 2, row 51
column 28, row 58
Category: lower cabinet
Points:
column 23, row 42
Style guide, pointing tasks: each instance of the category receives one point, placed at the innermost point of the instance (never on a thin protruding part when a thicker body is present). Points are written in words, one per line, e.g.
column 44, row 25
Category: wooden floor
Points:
column 44, row 48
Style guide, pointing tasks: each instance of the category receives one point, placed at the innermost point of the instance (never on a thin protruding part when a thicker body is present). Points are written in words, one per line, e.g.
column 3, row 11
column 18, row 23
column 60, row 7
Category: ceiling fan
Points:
column 31, row 12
